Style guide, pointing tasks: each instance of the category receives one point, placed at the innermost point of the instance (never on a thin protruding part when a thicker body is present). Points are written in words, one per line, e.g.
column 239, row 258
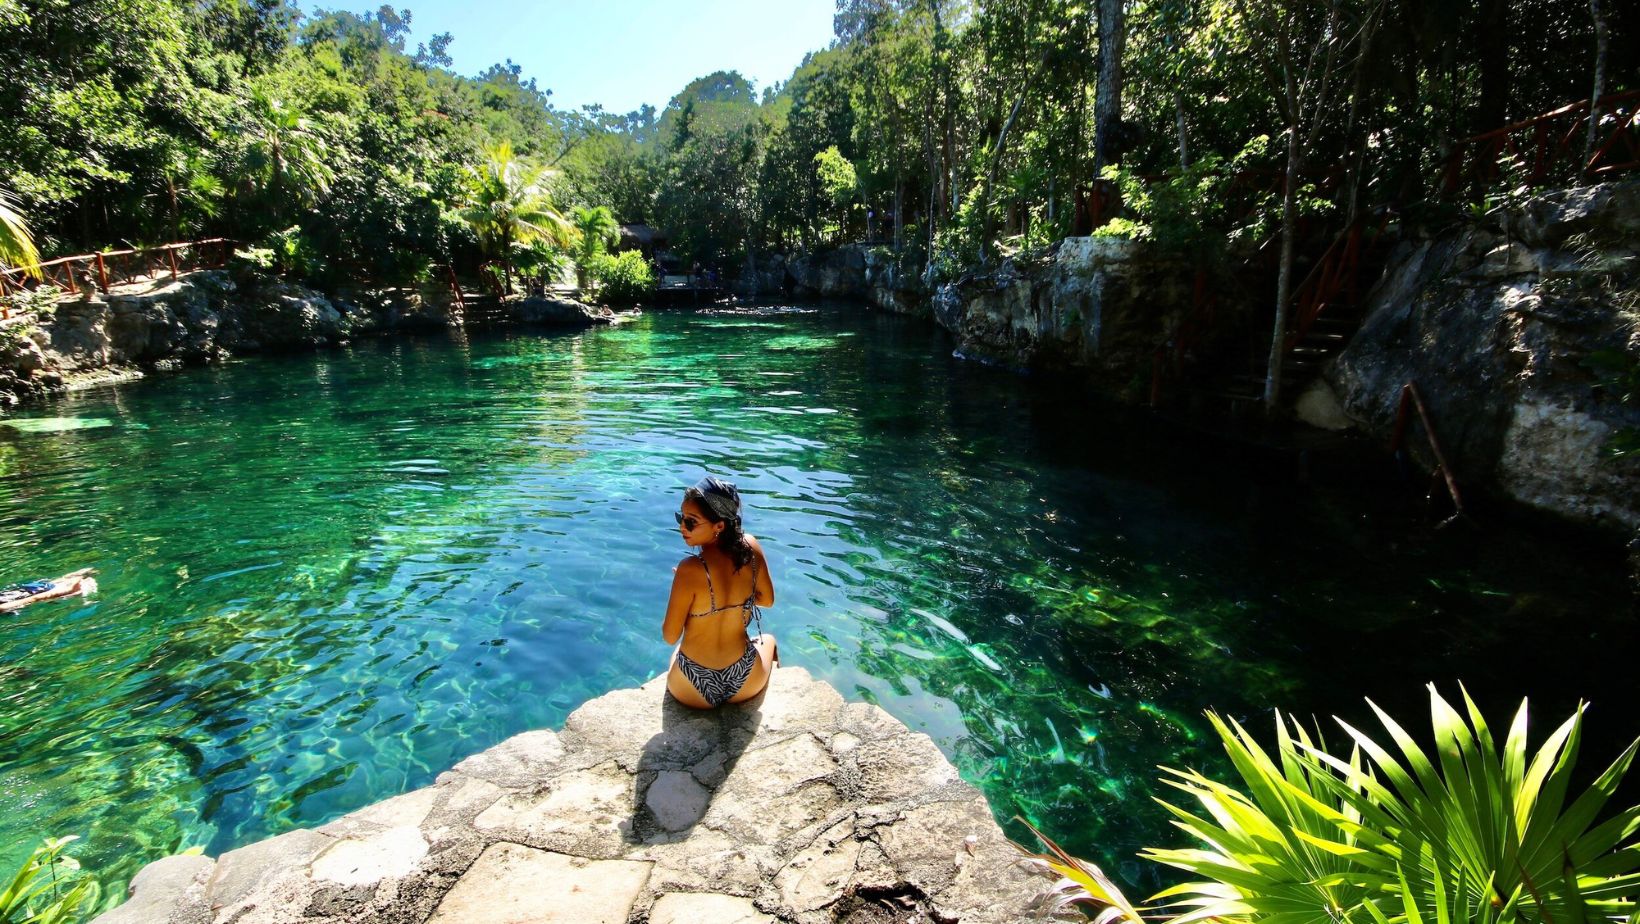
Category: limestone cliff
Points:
column 859, row 271
column 1519, row 330
column 208, row 315
column 201, row 317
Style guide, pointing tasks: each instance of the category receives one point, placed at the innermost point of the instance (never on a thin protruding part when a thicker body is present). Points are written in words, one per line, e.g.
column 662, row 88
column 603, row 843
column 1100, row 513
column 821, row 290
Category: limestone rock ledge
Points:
column 795, row 807
column 1498, row 321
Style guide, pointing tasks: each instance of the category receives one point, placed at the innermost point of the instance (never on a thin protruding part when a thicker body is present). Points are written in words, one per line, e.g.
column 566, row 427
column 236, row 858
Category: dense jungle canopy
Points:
column 944, row 126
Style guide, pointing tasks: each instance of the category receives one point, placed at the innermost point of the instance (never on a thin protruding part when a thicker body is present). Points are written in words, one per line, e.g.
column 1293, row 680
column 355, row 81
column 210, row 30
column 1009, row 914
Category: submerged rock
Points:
column 795, row 807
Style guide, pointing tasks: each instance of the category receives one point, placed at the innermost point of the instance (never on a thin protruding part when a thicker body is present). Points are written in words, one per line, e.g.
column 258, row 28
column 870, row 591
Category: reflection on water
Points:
column 326, row 578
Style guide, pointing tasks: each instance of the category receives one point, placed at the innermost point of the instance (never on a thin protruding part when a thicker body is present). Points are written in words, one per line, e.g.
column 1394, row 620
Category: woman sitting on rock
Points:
column 715, row 596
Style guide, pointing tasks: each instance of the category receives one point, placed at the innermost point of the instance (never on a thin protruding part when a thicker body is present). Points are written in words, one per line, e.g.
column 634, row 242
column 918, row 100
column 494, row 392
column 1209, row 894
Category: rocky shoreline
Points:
column 1500, row 319
column 795, row 807
column 209, row 315
column 1519, row 326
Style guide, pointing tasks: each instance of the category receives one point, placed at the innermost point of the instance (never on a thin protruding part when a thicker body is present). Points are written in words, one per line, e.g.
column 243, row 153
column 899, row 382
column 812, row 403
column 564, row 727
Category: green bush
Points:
column 36, row 895
column 1476, row 834
column 1390, row 836
column 623, row 278
column 40, row 301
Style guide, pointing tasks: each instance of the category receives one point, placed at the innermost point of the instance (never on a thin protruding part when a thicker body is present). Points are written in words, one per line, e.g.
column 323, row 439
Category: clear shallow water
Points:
column 326, row 578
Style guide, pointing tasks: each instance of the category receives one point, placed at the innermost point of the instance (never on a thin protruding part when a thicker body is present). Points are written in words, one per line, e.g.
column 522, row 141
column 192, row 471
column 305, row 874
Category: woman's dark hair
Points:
column 721, row 503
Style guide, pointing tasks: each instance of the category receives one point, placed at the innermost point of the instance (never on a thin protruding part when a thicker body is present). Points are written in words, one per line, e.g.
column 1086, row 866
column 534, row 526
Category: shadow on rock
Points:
column 682, row 766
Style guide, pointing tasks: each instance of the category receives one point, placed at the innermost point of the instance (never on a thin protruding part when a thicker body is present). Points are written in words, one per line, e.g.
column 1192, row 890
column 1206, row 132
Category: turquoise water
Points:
column 326, row 578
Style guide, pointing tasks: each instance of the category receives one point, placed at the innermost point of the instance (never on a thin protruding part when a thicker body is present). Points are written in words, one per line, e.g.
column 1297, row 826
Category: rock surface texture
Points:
column 858, row 271
column 795, row 807
column 201, row 317
column 1518, row 330
column 1099, row 305
column 565, row 312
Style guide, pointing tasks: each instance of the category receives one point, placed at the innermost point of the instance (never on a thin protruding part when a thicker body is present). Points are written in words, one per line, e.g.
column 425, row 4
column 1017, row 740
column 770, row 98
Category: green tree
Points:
column 508, row 203
column 595, row 231
column 839, row 183
column 712, row 135
column 284, row 155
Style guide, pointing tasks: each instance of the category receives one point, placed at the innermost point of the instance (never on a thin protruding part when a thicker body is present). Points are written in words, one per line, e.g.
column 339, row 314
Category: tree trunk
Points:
column 991, row 173
column 1107, row 103
column 176, row 207
column 1599, row 83
column 1492, row 37
column 899, row 207
column 1284, row 279
column 1178, row 118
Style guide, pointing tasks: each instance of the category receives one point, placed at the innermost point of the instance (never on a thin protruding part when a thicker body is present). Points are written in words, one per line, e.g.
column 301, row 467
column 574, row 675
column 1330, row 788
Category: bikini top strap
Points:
column 711, row 594
column 750, row 607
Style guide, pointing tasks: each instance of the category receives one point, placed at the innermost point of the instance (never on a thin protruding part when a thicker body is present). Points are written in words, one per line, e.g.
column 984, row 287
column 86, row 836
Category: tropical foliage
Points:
column 623, row 278
column 962, row 126
column 508, row 205
column 595, row 231
column 1391, row 835
column 45, row 890
column 1080, row 884
column 16, row 244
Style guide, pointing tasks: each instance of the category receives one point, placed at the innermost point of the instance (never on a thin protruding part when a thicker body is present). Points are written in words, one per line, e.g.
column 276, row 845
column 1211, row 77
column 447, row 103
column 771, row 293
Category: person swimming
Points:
column 17, row 596
column 730, row 567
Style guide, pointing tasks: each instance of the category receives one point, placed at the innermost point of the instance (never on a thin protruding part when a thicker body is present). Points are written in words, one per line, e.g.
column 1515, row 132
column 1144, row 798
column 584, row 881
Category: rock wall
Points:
column 762, row 275
column 208, row 315
column 1505, row 325
column 1096, row 305
column 794, row 807
column 858, row 271
column 201, row 317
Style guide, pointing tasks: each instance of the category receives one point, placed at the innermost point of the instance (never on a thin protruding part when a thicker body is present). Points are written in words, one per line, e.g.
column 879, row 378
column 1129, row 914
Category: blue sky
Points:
column 621, row 53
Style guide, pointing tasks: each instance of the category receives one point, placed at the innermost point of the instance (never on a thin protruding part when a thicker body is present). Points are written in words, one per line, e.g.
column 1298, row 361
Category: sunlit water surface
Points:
column 326, row 578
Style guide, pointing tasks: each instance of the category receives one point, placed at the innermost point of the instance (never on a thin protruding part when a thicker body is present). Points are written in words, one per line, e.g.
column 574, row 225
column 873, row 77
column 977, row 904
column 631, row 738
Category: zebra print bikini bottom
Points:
column 719, row 686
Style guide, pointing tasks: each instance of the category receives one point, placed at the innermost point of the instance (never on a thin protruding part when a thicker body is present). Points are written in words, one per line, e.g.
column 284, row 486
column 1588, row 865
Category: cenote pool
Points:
column 326, row 578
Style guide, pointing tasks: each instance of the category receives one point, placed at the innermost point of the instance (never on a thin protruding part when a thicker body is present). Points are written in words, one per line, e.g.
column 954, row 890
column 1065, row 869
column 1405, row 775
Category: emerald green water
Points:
column 326, row 578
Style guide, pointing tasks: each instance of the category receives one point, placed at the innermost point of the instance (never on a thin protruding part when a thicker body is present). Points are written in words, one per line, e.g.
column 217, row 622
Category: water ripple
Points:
column 325, row 581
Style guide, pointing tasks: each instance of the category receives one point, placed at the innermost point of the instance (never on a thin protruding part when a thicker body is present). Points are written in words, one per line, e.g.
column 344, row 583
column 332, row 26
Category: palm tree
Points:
column 508, row 204
column 189, row 187
column 595, row 229
column 16, row 244
column 284, row 155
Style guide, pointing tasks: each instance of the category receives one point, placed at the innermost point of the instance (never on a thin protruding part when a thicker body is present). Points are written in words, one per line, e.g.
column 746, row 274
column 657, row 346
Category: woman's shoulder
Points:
column 690, row 566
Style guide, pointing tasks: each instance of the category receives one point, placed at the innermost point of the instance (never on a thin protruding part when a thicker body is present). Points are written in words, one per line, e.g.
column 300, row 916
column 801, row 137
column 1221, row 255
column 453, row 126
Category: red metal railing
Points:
column 102, row 271
column 1411, row 400
column 1170, row 357
column 457, row 298
column 1335, row 277
column 1550, row 146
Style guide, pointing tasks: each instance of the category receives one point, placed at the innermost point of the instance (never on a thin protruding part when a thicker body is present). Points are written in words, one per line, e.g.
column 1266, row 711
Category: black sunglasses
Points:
column 688, row 522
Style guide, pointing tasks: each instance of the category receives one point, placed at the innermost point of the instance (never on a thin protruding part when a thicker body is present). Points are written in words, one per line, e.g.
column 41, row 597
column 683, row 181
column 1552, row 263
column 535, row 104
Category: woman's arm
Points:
column 682, row 598
column 764, row 589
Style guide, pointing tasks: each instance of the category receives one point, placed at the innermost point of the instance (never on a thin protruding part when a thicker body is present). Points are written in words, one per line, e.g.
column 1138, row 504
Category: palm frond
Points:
column 1079, row 883
column 16, row 244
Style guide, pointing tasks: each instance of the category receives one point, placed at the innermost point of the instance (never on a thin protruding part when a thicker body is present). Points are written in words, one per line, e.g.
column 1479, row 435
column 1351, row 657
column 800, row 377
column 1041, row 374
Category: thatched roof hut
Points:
column 644, row 238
